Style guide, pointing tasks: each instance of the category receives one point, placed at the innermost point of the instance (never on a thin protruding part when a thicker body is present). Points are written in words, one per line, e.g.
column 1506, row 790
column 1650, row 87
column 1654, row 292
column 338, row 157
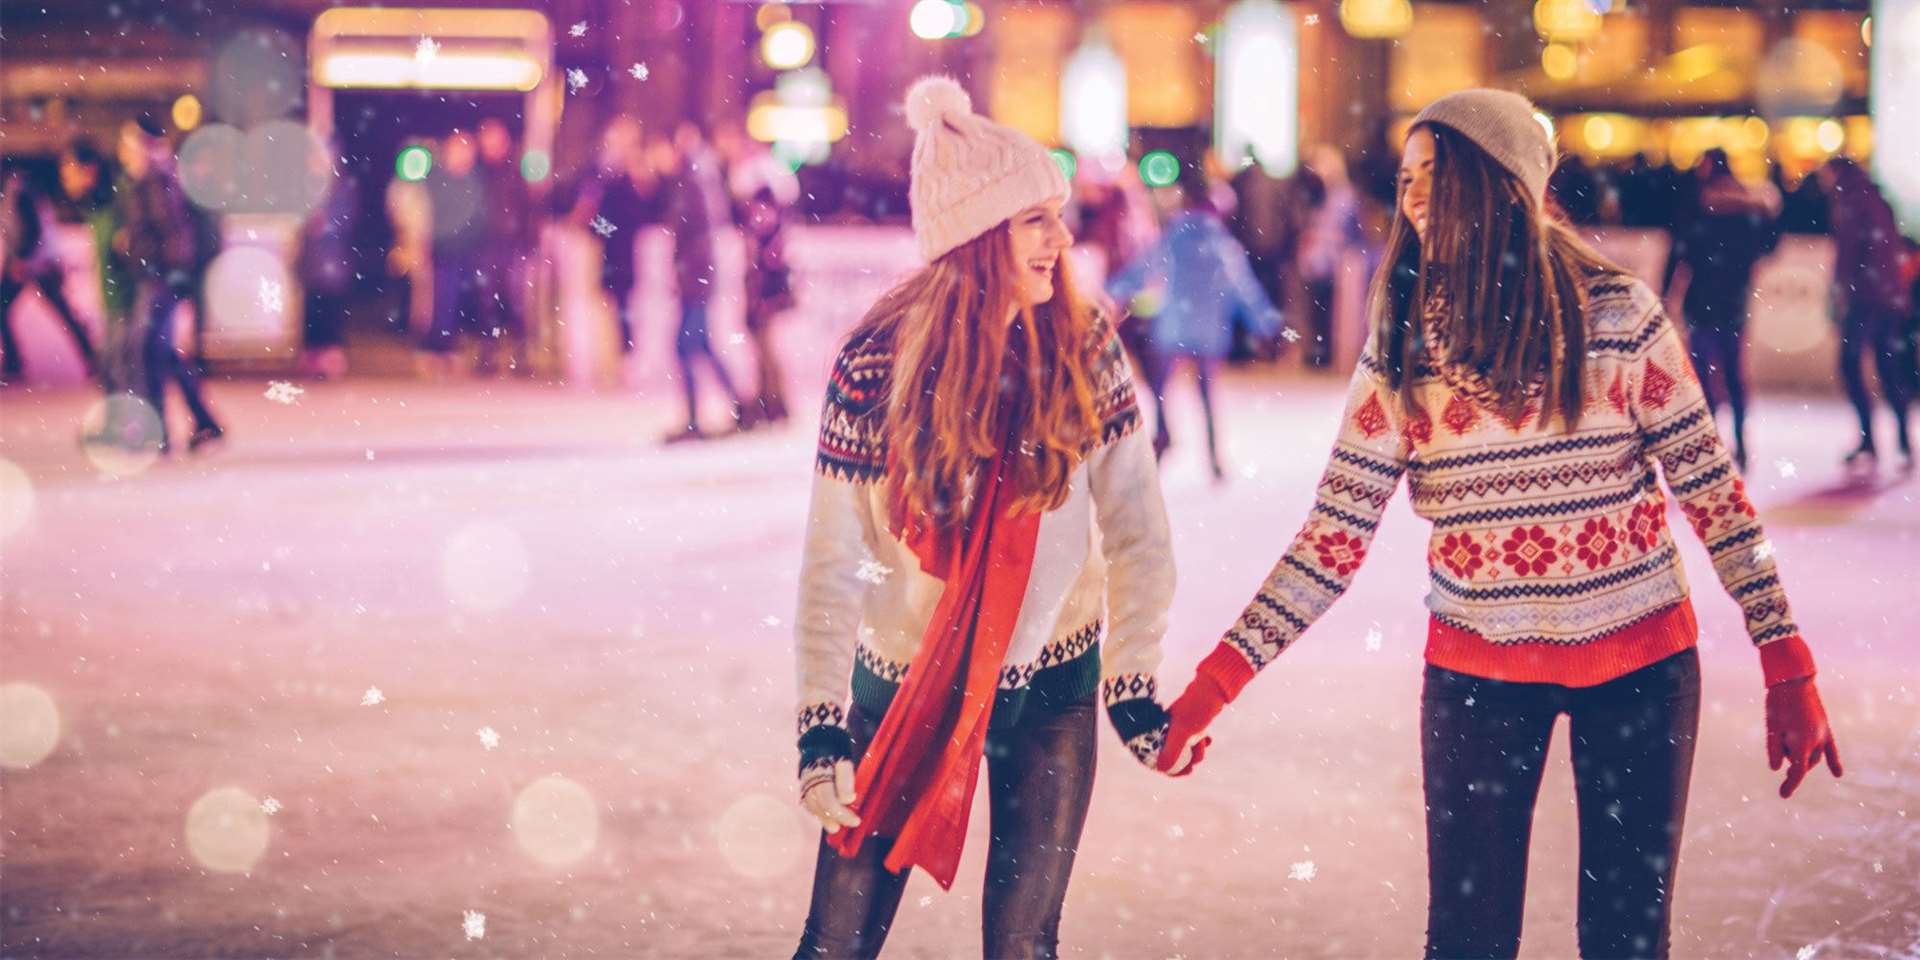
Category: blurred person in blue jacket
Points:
column 1207, row 281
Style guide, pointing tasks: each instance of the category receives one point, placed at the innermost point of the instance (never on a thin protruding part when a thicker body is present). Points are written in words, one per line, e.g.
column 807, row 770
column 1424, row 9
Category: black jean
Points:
column 1040, row 782
column 1869, row 330
column 1483, row 746
column 164, row 364
column 1157, row 366
column 1718, row 357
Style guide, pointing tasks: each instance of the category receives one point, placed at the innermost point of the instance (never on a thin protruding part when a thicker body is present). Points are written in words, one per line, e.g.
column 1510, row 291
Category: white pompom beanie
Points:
column 969, row 173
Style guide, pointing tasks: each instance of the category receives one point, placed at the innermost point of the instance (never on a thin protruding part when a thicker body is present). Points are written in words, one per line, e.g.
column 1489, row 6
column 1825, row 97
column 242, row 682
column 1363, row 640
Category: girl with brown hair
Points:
column 1526, row 388
column 985, row 510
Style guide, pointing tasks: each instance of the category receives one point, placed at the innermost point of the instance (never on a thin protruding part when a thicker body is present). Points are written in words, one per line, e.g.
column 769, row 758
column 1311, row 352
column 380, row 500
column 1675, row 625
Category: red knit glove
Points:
column 1188, row 718
column 1219, row 679
column 1797, row 732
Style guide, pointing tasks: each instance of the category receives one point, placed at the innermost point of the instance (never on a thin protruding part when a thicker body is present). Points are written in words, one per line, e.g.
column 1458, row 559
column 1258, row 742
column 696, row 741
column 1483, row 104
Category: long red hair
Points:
column 967, row 380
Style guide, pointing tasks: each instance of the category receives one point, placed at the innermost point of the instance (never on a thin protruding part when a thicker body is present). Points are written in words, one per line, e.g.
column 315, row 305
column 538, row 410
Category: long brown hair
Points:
column 965, row 380
column 1508, row 281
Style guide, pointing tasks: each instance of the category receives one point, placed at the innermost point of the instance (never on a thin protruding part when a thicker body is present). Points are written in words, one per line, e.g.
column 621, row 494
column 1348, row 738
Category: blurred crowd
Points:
column 1201, row 271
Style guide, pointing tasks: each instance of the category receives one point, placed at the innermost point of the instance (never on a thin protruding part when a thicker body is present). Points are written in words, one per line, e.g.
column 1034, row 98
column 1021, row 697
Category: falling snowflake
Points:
column 602, row 226
column 1470, row 701
column 281, row 391
column 1175, row 831
column 737, row 339
column 272, row 296
column 1313, row 19
column 1200, row 37
column 639, row 71
column 1304, row 870
column 578, row 29
column 269, row 806
column 771, row 620
column 1879, row 867
column 873, row 571
column 425, row 51
column 576, row 78
column 1249, row 471
column 1764, row 550
column 474, row 924
column 488, row 738
column 1786, row 467
column 926, row 902
column 1373, row 639
column 1289, row 334
column 1806, row 953
column 373, row 697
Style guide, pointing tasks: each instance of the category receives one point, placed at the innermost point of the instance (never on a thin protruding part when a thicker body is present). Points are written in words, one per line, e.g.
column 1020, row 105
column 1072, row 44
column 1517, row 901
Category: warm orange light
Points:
column 1376, row 19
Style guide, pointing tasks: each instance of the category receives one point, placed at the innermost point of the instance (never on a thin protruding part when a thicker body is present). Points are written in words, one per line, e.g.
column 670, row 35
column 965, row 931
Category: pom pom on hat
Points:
column 932, row 99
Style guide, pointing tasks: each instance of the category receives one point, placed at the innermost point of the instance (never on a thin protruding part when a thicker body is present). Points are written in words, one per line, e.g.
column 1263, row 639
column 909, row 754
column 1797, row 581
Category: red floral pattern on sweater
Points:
column 1339, row 552
column 1596, row 543
column 1530, row 551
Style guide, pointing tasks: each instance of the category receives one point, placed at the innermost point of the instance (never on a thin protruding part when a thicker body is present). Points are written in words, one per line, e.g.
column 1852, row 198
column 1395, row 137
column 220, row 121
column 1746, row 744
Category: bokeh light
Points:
column 16, row 499
column 122, row 434
column 770, row 14
column 227, row 831
column 787, row 46
column 555, row 821
column 535, row 166
column 258, row 75
column 483, row 567
column 760, row 837
column 211, row 165
column 1559, row 62
column 934, row 19
column 29, row 725
column 1069, row 165
column 187, row 112
column 1159, row 169
column 1830, row 135
column 413, row 163
column 290, row 169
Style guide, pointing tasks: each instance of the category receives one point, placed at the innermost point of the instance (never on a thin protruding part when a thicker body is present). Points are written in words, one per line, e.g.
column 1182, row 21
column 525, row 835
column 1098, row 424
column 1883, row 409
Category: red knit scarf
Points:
column 915, row 784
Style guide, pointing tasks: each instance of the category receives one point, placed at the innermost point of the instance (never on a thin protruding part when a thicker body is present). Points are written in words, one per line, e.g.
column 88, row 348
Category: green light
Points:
column 1066, row 160
column 1159, row 169
column 535, row 165
column 413, row 163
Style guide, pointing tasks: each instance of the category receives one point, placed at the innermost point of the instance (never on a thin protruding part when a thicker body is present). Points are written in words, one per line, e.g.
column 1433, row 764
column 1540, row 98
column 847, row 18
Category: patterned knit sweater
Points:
column 1103, row 557
column 1550, row 559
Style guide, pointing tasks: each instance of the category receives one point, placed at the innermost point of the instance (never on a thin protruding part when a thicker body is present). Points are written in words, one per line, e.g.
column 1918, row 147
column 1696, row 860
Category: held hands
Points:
column 826, row 791
column 1797, row 732
column 1187, row 721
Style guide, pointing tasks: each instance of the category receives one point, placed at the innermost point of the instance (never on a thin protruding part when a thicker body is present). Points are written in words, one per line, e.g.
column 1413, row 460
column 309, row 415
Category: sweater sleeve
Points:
column 1138, row 547
column 1369, row 456
column 1677, row 428
column 838, row 537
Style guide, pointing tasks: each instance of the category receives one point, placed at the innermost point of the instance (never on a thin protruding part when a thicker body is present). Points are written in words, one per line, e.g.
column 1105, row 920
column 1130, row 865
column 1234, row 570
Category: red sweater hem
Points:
column 1587, row 665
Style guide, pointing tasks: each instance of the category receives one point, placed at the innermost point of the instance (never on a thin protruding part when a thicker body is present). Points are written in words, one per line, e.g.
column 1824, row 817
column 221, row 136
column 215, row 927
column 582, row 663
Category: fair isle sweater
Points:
column 1550, row 559
column 1102, row 567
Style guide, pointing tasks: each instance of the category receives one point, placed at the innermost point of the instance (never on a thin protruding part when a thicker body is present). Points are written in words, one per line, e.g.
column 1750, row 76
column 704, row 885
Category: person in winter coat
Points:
column 27, row 258
column 1526, row 388
column 979, row 439
column 1208, row 280
column 1729, row 229
column 158, row 239
column 1870, row 301
column 765, row 191
column 697, row 208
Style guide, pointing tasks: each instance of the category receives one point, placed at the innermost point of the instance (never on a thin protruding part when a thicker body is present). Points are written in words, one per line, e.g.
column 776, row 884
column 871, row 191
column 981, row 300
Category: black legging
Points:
column 1040, row 781
column 1867, row 328
column 53, row 286
column 1717, row 356
column 1483, row 746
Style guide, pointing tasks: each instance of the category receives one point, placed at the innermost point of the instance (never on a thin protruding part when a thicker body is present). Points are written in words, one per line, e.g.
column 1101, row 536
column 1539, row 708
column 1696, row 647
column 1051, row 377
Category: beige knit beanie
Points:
column 1503, row 125
column 969, row 173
